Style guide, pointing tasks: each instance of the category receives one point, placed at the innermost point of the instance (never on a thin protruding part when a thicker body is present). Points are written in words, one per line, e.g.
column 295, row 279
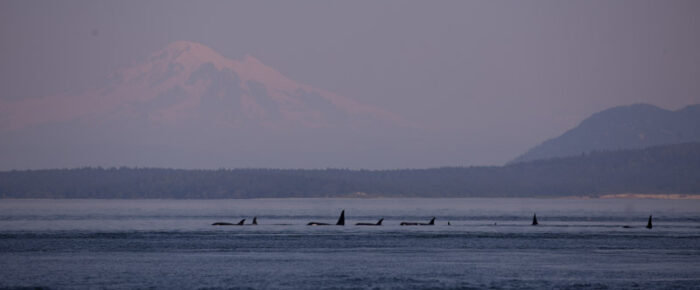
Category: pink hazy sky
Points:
column 491, row 78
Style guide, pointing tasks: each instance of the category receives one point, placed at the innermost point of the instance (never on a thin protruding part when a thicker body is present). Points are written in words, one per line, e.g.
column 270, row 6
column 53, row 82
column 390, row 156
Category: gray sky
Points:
column 493, row 77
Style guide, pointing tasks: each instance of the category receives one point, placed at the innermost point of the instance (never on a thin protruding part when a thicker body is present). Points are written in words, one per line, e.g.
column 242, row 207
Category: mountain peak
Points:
column 187, row 82
column 190, row 56
column 182, row 46
column 188, row 53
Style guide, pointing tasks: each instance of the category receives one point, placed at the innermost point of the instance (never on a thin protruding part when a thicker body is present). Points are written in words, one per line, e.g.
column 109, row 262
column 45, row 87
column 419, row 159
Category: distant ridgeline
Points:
column 625, row 127
column 657, row 170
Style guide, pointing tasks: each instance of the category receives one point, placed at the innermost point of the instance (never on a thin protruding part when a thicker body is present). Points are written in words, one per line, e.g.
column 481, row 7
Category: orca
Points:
column 341, row 221
column 534, row 220
column 379, row 223
column 431, row 223
column 228, row 224
column 649, row 223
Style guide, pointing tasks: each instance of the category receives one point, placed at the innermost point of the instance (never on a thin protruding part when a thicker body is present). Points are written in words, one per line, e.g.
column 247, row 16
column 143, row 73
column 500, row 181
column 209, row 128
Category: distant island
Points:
column 667, row 170
column 624, row 127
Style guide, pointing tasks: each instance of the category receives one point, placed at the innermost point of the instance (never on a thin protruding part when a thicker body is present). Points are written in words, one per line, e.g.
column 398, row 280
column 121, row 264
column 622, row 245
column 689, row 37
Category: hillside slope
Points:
column 626, row 127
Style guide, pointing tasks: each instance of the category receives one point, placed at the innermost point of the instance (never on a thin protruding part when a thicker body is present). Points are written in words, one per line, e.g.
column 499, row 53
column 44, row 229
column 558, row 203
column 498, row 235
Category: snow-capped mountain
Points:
column 186, row 82
column 188, row 106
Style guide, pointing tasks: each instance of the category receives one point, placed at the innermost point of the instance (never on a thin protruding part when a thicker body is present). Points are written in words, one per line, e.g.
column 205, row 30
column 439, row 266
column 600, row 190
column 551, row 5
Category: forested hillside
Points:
column 663, row 169
column 625, row 127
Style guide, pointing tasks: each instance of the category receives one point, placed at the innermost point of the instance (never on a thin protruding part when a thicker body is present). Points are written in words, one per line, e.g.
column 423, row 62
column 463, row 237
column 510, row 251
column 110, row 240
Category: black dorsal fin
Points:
column 379, row 223
column 241, row 222
column 255, row 220
column 341, row 219
column 432, row 221
column 534, row 220
column 649, row 223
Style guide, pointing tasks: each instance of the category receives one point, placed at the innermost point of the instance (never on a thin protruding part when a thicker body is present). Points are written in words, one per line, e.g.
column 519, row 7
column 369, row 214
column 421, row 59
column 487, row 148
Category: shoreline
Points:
column 650, row 196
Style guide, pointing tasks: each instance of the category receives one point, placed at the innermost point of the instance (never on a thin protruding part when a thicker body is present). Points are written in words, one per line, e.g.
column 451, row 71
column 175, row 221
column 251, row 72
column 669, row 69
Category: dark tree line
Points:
column 663, row 169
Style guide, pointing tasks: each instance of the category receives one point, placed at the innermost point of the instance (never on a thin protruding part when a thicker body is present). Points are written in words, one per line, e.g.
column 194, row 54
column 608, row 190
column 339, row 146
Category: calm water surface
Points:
column 165, row 244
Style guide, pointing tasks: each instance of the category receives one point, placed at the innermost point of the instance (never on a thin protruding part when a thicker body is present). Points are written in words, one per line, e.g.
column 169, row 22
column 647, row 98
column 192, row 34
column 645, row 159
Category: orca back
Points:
column 379, row 223
column 432, row 221
column 649, row 223
column 241, row 222
column 255, row 221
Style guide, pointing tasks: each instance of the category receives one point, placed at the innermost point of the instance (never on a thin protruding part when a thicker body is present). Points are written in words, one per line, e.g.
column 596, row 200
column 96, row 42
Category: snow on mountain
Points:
column 187, row 106
column 189, row 82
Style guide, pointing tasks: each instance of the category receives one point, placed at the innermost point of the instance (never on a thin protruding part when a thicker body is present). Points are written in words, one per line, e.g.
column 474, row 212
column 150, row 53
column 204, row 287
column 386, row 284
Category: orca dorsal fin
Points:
column 255, row 220
column 241, row 222
column 379, row 223
column 432, row 221
column 649, row 223
column 534, row 220
column 341, row 219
